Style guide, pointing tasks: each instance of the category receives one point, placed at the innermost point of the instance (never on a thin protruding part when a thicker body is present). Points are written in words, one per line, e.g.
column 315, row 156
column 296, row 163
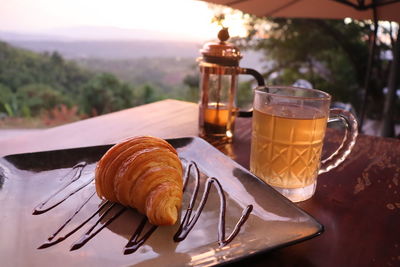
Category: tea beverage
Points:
column 287, row 144
column 218, row 121
column 289, row 125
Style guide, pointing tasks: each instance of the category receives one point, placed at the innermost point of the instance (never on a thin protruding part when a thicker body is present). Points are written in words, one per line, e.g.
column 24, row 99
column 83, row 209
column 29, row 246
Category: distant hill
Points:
column 113, row 49
column 161, row 63
column 31, row 83
column 94, row 33
column 104, row 42
column 165, row 73
column 19, row 67
column 87, row 42
column 34, row 85
column 103, row 78
column 112, row 33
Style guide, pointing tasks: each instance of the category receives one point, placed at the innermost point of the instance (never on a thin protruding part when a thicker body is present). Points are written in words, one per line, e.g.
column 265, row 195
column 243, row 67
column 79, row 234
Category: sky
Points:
column 190, row 19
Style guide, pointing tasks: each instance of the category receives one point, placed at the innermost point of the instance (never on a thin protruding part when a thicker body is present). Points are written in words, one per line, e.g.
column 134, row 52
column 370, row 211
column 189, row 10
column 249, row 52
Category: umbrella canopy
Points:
column 327, row 9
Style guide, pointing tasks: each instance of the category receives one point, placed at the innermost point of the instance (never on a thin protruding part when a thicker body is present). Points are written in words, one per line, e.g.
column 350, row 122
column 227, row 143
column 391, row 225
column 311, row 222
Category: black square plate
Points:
column 27, row 180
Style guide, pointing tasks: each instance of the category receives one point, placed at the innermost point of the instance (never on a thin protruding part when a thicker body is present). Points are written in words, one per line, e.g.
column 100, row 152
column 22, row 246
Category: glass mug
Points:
column 289, row 126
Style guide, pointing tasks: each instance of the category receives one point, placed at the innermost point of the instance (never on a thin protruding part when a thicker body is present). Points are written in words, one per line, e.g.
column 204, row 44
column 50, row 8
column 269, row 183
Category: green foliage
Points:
column 6, row 98
column 330, row 54
column 104, row 94
column 147, row 93
column 245, row 95
column 152, row 79
column 49, row 87
column 31, row 84
column 162, row 74
column 35, row 98
column 20, row 67
column 192, row 87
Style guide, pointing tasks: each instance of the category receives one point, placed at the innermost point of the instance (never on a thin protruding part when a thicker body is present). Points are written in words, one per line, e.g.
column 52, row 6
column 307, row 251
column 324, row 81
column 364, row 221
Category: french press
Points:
column 219, row 70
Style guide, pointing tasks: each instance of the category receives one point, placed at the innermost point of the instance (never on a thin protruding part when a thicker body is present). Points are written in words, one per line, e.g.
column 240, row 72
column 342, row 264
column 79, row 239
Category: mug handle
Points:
column 260, row 80
column 348, row 142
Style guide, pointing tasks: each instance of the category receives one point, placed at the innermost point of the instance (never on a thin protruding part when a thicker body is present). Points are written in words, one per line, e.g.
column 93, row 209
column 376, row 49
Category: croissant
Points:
column 144, row 173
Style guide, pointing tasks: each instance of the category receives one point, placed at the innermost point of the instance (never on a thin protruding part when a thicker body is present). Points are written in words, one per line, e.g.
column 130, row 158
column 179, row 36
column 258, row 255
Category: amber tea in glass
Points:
column 289, row 126
column 217, row 109
column 219, row 121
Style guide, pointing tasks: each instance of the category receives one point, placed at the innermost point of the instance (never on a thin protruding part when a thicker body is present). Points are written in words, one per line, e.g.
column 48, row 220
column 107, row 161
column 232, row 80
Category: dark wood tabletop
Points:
column 358, row 202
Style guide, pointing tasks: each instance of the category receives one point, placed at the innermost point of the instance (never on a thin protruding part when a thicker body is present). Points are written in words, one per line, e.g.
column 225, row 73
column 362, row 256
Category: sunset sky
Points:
column 187, row 18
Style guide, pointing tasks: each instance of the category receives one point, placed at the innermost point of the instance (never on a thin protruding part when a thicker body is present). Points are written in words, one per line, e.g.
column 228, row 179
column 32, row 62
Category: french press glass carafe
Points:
column 219, row 70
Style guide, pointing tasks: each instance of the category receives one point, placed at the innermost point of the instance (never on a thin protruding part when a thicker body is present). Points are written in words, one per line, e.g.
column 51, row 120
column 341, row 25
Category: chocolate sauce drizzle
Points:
column 79, row 168
column 189, row 220
column 59, row 239
column 89, row 235
column 135, row 242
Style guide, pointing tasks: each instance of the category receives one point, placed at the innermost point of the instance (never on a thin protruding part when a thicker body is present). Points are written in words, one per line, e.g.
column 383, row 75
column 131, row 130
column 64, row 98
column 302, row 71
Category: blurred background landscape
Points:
column 57, row 75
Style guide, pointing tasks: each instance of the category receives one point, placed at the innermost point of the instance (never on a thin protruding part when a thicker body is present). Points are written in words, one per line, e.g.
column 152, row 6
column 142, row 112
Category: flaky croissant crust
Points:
column 144, row 173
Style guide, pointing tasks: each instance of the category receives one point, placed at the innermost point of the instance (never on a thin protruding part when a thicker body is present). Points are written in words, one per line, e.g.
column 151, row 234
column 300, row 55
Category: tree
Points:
column 104, row 94
column 331, row 54
column 34, row 98
column 191, row 81
column 147, row 93
column 6, row 99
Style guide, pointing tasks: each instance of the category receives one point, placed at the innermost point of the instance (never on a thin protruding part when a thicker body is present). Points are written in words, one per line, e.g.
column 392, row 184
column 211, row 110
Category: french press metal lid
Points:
column 222, row 52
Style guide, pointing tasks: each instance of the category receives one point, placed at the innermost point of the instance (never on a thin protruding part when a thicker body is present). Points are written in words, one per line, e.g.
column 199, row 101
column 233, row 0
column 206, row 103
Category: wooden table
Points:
column 358, row 202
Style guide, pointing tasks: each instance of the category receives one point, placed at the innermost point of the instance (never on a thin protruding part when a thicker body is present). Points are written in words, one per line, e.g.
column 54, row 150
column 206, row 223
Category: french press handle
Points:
column 260, row 80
